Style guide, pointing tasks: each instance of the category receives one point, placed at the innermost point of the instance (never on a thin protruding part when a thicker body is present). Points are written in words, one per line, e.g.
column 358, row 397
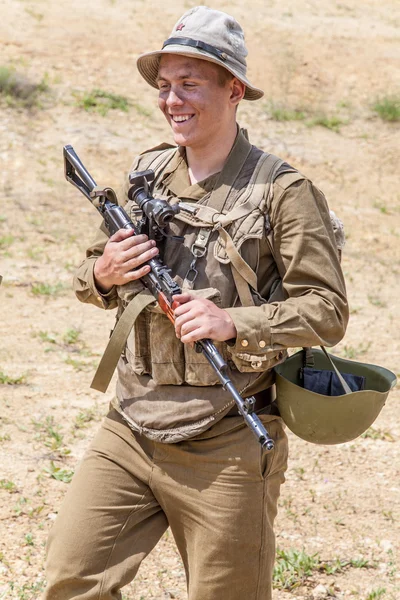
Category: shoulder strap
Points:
column 258, row 187
column 160, row 161
column 288, row 177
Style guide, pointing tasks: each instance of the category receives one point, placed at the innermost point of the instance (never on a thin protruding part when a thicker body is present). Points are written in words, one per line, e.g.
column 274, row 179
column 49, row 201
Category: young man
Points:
column 174, row 451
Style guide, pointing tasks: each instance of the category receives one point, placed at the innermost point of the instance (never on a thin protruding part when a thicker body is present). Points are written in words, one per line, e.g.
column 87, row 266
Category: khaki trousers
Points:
column 217, row 492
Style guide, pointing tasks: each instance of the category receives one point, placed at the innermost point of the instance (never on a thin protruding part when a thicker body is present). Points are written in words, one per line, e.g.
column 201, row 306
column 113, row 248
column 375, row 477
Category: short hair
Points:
column 223, row 75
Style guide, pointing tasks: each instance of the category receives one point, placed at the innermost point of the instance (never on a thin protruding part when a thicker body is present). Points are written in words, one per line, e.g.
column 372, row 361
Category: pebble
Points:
column 319, row 592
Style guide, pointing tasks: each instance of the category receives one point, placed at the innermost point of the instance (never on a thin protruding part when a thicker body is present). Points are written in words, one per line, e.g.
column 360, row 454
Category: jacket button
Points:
column 245, row 343
column 262, row 344
column 256, row 364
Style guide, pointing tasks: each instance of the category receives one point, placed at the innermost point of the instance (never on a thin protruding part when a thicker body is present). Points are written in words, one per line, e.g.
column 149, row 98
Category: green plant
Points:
column 71, row 336
column 47, row 289
column 388, row 108
column 282, row 113
column 353, row 352
column 101, row 102
column 376, row 594
column 18, row 90
column 333, row 123
column 34, row 14
column 79, row 365
column 83, row 418
column 29, row 539
column 50, row 338
column 6, row 241
column 381, row 207
column 292, row 568
column 20, row 505
column 8, row 485
column 377, row 434
column 7, row 380
column 376, row 301
column 28, row 591
column 64, row 475
column 49, row 433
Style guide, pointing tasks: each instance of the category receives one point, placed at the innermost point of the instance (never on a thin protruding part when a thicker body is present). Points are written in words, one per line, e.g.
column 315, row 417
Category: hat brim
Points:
column 148, row 65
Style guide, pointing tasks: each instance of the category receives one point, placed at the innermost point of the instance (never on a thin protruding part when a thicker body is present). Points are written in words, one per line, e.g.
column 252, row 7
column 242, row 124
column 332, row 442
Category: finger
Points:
column 189, row 326
column 135, row 274
column 193, row 336
column 182, row 298
column 136, row 261
column 134, row 241
column 181, row 320
column 122, row 234
column 138, row 249
column 184, row 306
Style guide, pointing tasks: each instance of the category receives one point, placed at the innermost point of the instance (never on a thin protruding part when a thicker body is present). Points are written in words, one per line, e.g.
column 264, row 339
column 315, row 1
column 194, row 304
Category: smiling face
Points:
column 198, row 100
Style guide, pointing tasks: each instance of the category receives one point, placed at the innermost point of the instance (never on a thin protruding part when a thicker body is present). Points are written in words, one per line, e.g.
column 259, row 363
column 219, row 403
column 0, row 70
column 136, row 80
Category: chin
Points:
column 181, row 140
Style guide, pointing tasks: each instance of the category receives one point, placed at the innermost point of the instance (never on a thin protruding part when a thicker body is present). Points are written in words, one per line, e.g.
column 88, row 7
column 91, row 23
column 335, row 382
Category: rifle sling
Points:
column 118, row 338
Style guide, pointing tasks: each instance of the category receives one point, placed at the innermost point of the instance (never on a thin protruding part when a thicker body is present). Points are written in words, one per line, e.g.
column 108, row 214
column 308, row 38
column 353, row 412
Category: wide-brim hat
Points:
column 205, row 34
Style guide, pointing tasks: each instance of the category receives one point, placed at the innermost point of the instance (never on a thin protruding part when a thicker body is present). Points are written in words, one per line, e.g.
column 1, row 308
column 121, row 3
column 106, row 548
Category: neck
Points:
column 205, row 161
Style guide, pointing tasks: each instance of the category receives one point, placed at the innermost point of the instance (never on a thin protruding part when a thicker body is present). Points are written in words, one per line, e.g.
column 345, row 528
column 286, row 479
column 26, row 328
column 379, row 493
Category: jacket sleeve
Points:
column 315, row 310
column 84, row 283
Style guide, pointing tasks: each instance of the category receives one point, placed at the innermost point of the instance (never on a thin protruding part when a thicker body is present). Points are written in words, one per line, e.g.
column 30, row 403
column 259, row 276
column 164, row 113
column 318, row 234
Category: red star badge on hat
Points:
column 180, row 27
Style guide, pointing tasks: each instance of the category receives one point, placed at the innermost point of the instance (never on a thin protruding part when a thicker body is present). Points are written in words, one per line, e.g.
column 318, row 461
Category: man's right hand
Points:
column 122, row 258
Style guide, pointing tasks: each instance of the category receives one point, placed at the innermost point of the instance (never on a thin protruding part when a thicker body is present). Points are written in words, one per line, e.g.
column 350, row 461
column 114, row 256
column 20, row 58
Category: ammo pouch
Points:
column 153, row 349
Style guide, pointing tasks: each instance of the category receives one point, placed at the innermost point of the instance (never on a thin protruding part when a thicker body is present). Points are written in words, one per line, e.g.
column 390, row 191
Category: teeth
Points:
column 180, row 119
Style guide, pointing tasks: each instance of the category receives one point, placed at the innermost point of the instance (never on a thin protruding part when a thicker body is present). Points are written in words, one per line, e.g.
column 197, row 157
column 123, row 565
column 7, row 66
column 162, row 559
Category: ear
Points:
column 238, row 90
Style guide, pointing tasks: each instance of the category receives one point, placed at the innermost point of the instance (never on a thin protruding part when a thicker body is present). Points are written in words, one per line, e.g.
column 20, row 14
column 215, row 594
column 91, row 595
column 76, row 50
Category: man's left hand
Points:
column 198, row 318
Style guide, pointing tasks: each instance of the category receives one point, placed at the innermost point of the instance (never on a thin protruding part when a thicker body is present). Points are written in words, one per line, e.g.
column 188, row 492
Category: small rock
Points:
column 319, row 592
column 49, row 238
column 386, row 545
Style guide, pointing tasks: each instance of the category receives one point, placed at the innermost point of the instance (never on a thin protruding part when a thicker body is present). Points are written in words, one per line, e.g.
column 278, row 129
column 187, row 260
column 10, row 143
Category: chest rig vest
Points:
column 165, row 389
column 216, row 226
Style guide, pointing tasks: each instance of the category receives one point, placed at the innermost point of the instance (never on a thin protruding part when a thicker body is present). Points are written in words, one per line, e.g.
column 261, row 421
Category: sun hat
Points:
column 207, row 34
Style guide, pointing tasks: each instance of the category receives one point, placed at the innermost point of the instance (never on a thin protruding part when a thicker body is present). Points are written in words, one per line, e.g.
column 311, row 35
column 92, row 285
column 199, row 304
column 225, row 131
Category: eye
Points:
column 163, row 86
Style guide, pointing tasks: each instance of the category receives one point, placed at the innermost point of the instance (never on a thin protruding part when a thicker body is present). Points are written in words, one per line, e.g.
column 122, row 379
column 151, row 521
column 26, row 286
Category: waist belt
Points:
column 264, row 399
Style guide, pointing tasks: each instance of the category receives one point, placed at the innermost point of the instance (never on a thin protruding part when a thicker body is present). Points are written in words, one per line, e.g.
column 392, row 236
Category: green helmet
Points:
column 330, row 419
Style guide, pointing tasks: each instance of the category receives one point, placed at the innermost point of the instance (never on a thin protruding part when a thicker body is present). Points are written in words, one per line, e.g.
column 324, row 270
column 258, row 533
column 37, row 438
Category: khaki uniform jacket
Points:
column 165, row 389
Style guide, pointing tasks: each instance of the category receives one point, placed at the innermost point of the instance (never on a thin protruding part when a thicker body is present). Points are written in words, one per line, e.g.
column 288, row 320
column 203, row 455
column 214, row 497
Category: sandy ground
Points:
column 340, row 503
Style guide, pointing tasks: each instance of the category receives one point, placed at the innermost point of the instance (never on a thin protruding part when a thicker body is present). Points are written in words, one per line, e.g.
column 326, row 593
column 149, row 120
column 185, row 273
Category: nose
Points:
column 173, row 98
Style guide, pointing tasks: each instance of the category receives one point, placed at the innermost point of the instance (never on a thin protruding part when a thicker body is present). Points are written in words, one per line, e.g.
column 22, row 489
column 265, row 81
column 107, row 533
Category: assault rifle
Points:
column 157, row 213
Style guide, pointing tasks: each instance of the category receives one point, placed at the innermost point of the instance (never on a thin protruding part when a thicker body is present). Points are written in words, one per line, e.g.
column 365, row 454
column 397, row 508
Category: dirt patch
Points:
column 340, row 508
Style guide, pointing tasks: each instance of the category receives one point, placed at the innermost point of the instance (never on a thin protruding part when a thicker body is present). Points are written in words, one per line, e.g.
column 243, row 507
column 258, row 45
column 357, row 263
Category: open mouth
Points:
column 181, row 118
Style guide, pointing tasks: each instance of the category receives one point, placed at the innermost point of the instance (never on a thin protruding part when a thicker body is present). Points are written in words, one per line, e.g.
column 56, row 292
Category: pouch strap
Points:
column 198, row 250
column 345, row 386
column 245, row 271
column 242, row 288
column 118, row 338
